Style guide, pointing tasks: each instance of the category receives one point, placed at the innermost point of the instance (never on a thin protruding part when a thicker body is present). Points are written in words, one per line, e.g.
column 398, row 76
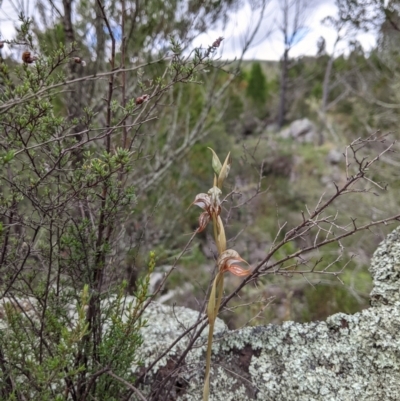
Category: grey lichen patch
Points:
column 224, row 387
column 164, row 325
column 385, row 271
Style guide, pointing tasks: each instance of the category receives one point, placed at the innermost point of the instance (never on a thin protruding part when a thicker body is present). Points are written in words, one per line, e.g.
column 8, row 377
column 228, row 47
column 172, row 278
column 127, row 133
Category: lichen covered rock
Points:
column 385, row 271
column 347, row 357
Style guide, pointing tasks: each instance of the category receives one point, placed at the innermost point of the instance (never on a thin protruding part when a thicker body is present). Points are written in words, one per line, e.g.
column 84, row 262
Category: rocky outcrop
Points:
column 301, row 130
column 346, row 357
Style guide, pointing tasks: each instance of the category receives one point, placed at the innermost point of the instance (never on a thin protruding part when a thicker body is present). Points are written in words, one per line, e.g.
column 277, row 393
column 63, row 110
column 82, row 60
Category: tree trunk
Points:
column 283, row 88
column 325, row 88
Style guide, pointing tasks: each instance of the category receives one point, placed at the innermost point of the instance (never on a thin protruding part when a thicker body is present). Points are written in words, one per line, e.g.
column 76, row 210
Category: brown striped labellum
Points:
column 204, row 219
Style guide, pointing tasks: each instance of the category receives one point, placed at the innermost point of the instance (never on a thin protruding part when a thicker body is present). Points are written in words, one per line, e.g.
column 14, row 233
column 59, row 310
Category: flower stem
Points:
column 212, row 311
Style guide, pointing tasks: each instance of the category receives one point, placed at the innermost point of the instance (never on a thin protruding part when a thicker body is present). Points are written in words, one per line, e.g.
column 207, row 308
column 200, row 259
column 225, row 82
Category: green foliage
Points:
column 326, row 300
column 316, row 90
column 257, row 88
column 67, row 198
column 51, row 39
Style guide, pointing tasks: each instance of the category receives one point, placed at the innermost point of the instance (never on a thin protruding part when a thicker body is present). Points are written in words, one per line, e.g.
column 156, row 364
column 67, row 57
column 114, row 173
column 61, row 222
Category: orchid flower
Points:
column 227, row 263
column 228, row 259
column 211, row 204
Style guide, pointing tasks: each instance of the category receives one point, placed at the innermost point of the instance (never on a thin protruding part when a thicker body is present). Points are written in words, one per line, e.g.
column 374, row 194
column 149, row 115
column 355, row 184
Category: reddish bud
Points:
column 78, row 60
column 141, row 99
column 218, row 42
column 27, row 58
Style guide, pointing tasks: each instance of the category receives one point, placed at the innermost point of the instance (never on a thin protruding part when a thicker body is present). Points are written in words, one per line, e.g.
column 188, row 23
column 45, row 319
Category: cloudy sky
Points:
column 267, row 43
column 269, row 40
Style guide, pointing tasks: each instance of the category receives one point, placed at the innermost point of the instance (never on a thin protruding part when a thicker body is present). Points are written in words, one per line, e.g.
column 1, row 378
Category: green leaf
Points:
column 224, row 170
column 8, row 156
column 216, row 163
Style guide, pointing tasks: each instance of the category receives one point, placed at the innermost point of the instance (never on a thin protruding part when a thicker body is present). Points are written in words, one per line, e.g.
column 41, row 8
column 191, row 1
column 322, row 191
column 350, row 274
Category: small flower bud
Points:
column 78, row 60
column 218, row 42
column 27, row 58
column 141, row 99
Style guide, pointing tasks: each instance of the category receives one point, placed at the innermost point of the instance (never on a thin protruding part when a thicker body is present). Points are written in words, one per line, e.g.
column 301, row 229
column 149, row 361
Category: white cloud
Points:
column 269, row 41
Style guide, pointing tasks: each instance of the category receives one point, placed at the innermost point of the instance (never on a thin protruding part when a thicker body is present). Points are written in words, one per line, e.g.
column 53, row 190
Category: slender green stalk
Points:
column 212, row 310
column 211, row 203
